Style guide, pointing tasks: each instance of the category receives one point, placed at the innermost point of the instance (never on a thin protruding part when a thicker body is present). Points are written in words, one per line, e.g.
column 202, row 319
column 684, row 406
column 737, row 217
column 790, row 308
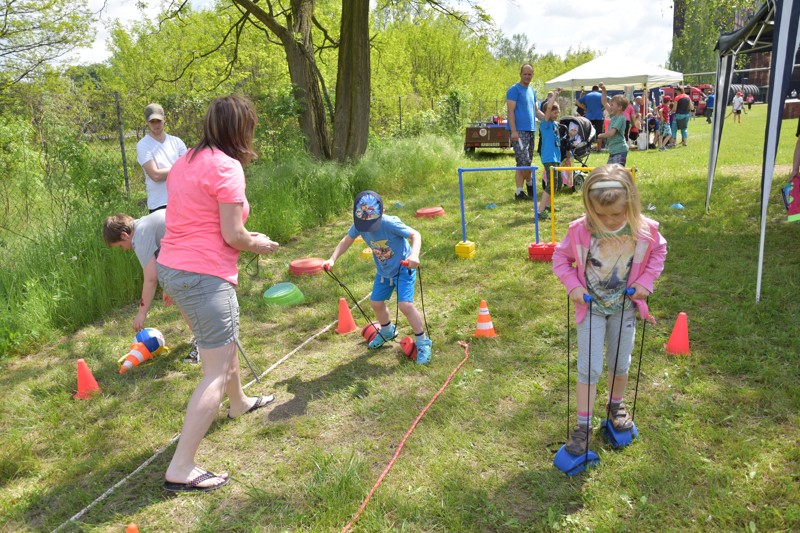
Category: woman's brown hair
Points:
column 230, row 125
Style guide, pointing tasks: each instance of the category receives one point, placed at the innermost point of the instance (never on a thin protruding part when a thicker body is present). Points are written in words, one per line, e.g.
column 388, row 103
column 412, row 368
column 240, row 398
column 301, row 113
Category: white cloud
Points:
column 639, row 28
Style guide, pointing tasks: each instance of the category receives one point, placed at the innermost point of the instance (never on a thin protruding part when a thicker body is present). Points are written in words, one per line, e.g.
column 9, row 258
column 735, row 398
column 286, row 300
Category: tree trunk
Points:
column 313, row 121
column 351, row 118
column 299, row 47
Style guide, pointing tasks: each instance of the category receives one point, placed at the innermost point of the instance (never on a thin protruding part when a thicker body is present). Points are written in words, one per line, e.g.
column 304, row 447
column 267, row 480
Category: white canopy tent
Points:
column 615, row 71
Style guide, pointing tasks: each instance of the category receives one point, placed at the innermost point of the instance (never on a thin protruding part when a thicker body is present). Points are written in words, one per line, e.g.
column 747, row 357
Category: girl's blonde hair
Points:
column 617, row 184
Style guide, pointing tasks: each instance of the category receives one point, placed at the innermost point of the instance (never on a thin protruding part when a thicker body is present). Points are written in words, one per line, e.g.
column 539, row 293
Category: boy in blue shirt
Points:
column 388, row 237
column 551, row 154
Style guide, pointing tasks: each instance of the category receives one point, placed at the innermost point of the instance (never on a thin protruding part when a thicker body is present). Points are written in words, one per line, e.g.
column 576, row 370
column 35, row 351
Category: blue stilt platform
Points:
column 574, row 464
column 618, row 439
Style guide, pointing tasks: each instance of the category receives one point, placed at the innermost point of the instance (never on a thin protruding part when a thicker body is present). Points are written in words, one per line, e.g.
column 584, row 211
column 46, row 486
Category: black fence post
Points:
column 122, row 145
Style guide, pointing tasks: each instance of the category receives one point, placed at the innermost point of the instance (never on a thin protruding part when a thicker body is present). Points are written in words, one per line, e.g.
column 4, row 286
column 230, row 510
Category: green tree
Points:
column 693, row 49
column 34, row 33
column 515, row 50
column 301, row 28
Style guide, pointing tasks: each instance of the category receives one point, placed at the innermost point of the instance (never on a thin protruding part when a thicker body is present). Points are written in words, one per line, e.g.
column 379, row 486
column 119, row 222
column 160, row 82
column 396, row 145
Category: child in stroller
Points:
column 577, row 135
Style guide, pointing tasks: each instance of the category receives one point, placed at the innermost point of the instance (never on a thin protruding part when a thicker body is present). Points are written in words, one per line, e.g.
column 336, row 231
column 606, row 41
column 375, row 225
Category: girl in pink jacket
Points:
column 610, row 249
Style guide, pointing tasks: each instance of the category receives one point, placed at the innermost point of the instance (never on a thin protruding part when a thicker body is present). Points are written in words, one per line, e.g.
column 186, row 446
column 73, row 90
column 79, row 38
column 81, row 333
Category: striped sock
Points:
column 584, row 419
column 616, row 401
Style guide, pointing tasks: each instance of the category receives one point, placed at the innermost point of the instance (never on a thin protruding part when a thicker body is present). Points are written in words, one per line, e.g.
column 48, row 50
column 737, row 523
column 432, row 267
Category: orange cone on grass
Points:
column 86, row 382
column 132, row 528
column 678, row 343
column 346, row 322
column 485, row 327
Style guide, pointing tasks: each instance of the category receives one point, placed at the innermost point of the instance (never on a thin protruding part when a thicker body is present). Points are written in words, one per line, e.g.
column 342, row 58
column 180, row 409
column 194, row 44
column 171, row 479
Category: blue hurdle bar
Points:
column 461, row 193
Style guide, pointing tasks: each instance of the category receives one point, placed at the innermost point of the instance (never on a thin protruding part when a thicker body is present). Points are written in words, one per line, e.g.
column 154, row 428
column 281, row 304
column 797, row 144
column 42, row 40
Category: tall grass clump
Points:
column 61, row 281
column 298, row 193
column 63, row 276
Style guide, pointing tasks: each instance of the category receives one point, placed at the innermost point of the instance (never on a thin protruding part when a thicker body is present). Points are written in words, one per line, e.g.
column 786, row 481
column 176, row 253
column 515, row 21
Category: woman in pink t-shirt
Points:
column 197, row 267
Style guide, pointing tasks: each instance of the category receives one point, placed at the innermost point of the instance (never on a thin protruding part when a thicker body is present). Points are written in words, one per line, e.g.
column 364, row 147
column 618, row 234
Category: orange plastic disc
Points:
column 307, row 266
column 430, row 212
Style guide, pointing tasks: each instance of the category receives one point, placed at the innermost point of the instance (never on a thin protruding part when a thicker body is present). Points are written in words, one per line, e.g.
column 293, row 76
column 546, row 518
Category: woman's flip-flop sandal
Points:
column 261, row 401
column 192, row 485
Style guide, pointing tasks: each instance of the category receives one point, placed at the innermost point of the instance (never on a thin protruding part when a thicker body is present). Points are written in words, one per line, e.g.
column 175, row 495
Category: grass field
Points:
column 718, row 429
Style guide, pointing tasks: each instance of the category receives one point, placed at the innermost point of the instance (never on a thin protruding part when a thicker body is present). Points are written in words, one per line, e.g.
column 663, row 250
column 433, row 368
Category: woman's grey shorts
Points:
column 208, row 302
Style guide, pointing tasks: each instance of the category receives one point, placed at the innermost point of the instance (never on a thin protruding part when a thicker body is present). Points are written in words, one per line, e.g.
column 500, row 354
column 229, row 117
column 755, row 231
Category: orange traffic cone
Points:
column 346, row 322
column 678, row 343
column 485, row 327
column 86, row 382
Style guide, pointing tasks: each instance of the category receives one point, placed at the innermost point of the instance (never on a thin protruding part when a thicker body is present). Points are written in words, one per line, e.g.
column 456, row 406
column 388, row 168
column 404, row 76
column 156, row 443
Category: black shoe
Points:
column 530, row 190
column 193, row 357
column 520, row 196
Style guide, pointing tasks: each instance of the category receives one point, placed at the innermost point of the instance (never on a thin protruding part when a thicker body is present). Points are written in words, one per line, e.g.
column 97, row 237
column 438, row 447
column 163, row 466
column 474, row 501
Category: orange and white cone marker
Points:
column 485, row 327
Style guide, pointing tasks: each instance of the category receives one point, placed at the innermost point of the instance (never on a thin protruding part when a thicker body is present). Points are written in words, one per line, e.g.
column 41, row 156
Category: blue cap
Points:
column 367, row 211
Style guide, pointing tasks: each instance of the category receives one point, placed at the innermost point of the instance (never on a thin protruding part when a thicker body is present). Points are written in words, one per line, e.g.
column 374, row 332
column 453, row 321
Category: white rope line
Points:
column 174, row 439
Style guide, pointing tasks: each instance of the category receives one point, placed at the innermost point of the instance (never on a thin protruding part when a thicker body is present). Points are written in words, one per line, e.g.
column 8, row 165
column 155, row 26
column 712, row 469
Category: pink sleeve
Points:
column 563, row 262
column 655, row 263
column 230, row 185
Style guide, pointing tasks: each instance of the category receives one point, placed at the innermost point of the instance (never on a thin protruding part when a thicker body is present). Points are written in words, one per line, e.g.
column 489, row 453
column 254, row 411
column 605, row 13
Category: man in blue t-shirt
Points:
column 593, row 104
column 522, row 114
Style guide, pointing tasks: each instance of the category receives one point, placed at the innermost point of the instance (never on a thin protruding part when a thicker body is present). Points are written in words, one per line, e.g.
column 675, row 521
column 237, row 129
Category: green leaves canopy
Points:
column 34, row 33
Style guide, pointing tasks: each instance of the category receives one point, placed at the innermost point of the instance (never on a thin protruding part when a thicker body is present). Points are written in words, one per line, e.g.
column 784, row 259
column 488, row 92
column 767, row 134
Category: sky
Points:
column 643, row 29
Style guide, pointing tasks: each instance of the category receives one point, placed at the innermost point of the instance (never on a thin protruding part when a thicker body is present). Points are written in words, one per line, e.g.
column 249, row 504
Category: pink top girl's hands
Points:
column 577, row 294
column 263, row 243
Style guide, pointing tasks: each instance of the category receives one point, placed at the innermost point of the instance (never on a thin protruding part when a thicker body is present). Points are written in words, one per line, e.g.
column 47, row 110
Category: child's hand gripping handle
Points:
column 404, row 263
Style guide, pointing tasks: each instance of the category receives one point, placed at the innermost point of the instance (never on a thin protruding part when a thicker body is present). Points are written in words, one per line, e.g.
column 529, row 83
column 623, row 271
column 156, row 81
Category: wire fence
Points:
column 74, row 153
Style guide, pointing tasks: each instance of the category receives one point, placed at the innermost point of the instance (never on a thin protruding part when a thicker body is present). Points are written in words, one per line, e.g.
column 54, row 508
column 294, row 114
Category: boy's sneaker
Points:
column 385, row 335
column 530, row 189
column 544, row 215
column 193, row 357
column 620, row 418
column 520, row 196
column 424, row 351
column 578, row 442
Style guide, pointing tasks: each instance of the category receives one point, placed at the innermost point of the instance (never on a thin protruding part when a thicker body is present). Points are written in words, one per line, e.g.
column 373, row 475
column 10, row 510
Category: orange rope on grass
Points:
column 403, row 442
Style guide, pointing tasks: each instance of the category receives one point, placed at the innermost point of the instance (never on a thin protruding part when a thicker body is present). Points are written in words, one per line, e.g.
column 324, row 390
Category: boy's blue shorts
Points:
column 383, row 287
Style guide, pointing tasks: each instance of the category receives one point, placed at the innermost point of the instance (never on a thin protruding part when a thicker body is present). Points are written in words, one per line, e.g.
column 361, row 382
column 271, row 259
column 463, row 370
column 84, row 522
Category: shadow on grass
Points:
column 505, row 157
column 352, row 375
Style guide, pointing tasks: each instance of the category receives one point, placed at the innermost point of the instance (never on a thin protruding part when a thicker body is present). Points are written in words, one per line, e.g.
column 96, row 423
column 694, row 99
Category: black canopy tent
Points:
column 774, row 27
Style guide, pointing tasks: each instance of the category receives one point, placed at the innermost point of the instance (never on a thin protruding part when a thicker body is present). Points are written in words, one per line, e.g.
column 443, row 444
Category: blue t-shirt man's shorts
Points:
column 389, row 244
column 525, row 120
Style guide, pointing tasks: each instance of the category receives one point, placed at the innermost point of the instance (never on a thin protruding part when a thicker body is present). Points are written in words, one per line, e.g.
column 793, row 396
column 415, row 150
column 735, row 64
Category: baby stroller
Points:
column 577, row 135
